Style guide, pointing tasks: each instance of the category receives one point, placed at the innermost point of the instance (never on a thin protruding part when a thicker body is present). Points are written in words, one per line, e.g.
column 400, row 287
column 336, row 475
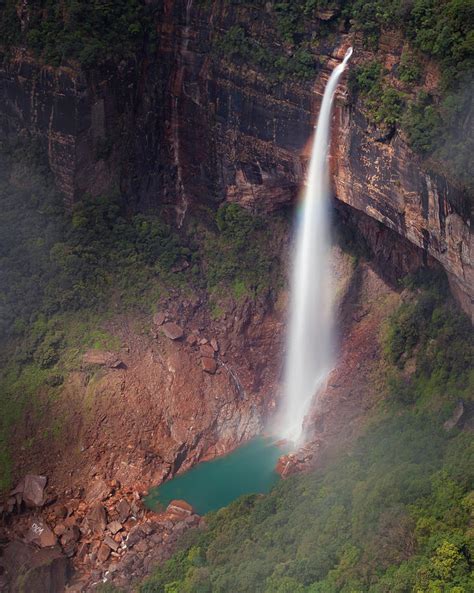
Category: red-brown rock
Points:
column 207, row 350
column 113, row 545
column 99, row 490
column 96, row 518
column 40, row 534
column 33, row 490
column 191, row 340
column 172, row 331
column 159, row 318
column 123, row 510
column 103, row 553
column 209, row 365
column 114, row 527
column 180, row 508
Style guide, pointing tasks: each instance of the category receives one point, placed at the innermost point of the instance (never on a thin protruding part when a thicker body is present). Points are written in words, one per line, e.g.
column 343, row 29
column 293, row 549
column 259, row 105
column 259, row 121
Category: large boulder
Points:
column 40, row 534
column 179, row 509
column 99, row 490
column 159, row 318
column 207, row 350
column 102, row 358
column 209, row 365
column 96, row 518
column 31, row 490
column 123, row 510
column 172, row 331
column 27, row 568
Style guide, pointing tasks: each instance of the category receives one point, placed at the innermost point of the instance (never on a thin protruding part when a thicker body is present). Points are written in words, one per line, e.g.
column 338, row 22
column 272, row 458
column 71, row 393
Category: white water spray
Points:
column 310, row 333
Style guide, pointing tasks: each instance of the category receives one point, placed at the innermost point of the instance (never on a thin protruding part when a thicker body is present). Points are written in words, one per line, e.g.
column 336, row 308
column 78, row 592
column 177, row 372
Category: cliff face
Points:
column 185, row 125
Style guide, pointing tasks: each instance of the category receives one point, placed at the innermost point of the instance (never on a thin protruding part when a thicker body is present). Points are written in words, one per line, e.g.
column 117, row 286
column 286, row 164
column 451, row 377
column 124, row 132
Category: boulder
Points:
column 99, row 357
column 103, row 553
column 71, row 534
column 33, row 490
column 209, row 365
column 123, row 510
column 114, row 527
column 191, row 340
column 172, row 331
column 40, row 534
column 117, row 364
column 102, row 358
column 159, row 318
column 96, row 518
column 207, row 350
column 60, row 511
column 99, row 490
column 113, row 545
column 457, row 417
column 82, row 551
column 180, row 509
column 326, row 15
column 142, row 546
column 215, row 345
column 134, row 536
column 60, row 529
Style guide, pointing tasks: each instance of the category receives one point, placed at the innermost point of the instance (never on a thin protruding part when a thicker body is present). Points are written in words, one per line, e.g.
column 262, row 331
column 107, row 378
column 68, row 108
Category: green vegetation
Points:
column 422, row 123
column 63, row 275
column 442, row 29
column 237, row 44
column 384, row 103
column 59, row 275
column 394, row 515
column 240, row 255
column 409, row 70
column 52, row 263
column 436, row 126
column 429, row 330
column 90, row 32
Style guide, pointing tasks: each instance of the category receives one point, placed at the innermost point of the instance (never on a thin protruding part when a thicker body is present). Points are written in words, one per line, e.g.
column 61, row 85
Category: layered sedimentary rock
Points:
column 187, row 124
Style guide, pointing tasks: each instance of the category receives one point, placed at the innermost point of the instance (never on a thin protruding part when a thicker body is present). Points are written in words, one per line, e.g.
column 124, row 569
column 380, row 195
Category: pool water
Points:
column 211, row 485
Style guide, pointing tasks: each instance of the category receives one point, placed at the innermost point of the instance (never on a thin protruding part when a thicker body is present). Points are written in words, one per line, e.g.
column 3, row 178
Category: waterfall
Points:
column 309, row 356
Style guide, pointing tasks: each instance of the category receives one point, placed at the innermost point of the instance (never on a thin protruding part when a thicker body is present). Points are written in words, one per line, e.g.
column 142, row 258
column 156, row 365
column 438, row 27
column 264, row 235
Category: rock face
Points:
column 33, row 570
column 252, row 134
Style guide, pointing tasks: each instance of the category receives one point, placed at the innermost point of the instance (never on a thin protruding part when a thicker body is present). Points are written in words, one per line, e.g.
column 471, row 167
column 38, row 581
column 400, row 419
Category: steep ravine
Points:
column 174, row 130
column 137, row 415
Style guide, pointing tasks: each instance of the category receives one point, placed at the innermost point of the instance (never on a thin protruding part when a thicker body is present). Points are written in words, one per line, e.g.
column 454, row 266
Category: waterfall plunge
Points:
column 310, row 334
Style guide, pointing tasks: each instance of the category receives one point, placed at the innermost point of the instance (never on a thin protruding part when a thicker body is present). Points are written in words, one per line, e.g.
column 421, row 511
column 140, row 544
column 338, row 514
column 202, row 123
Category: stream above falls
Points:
column 211, row 485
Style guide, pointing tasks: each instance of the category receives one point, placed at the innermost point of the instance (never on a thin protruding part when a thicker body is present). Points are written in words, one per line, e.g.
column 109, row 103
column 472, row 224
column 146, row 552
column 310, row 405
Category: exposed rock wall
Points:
column 182, row 125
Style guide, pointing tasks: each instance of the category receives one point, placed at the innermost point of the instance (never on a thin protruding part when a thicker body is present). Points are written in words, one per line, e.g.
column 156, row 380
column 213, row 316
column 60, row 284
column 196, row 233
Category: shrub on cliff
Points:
column 430, row 330
column 90, row 32
column 240, row 254
column 383, row 102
